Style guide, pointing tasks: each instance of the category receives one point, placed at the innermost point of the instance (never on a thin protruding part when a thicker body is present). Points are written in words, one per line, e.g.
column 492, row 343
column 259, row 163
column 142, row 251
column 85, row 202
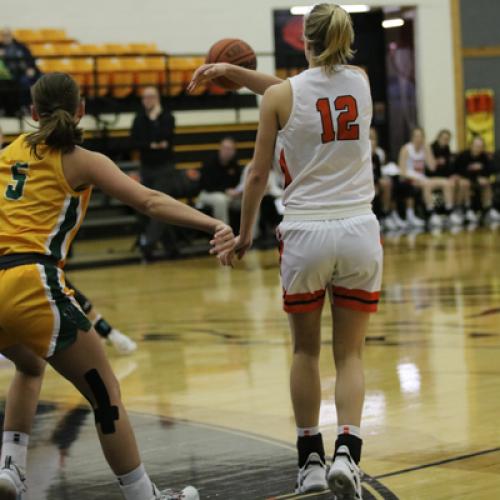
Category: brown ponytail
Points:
column 328, row 29
column 56, row 97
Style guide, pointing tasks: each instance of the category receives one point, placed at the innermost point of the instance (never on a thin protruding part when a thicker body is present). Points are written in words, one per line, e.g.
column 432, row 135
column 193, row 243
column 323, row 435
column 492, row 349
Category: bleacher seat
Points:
column 27, row 35
column 120, row 72
column 92, row 49
column 63, row 64
column 43, row 49
column 143, row 48
column 41, row 36
column 67, row 49
column 117, row 48
column 53, row 34
column 154, row 72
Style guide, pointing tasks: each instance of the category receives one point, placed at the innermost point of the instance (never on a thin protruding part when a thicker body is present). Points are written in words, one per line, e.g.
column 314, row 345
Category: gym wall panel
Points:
column 480, row 22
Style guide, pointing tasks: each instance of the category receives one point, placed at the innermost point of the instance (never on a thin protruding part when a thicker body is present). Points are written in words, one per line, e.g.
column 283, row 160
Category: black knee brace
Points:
column 105, row 413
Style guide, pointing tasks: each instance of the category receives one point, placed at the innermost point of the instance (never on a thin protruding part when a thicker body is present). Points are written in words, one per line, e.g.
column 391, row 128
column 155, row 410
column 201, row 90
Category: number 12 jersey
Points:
column 324, row 149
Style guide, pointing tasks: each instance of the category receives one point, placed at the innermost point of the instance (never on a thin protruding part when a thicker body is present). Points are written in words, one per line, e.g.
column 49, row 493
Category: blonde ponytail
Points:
column 329, row 32
column 56, row 97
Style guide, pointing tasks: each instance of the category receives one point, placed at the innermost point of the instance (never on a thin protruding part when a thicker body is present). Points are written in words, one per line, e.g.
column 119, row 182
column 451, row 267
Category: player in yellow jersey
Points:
column 45, row 183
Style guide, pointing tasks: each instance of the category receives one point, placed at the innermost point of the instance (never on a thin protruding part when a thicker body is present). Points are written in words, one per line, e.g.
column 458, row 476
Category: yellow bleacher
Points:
column 121, row 68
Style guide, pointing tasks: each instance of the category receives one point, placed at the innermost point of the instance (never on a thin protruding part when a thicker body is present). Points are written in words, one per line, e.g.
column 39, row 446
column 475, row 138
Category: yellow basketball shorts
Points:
column 38, row 310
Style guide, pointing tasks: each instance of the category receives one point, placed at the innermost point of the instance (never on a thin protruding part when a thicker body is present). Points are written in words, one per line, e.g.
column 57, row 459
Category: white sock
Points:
column 349, row 429
column 15, row 445
column 307, row 431
column 410, row 213
column 137, row 485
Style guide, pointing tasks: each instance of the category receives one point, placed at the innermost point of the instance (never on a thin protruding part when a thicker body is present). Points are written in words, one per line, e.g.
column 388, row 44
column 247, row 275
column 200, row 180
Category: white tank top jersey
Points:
column 416, row 159
column 324, row 150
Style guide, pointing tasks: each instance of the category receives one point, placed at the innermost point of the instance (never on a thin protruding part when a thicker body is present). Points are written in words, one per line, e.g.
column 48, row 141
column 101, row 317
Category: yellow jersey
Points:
column 39, row 211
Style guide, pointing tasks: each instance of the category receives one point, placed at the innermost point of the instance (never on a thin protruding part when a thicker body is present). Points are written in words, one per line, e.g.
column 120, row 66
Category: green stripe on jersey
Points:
column 71, row 317
column 69, row 222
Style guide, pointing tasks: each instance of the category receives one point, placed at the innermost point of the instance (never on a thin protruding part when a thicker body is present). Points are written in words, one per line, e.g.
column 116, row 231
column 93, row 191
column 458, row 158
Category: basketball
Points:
column 233, row 51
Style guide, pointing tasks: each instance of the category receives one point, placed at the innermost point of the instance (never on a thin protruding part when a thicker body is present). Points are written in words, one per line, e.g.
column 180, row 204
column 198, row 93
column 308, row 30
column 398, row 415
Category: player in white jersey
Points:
column 317, row 124
column 414, row 159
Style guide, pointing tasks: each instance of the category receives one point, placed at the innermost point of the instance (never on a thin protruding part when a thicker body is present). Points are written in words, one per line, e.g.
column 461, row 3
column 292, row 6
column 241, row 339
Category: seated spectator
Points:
column 444, row 168
column 383, row 184
column 219, row 176
column 415, row 159
column 474, row 167
column 20, row 64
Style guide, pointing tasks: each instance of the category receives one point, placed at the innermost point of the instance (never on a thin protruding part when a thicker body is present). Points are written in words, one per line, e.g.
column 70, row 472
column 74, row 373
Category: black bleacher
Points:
column 193, row 145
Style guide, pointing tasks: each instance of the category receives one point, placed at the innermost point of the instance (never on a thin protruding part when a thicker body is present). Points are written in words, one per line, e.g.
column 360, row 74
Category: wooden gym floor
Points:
column 208, row 388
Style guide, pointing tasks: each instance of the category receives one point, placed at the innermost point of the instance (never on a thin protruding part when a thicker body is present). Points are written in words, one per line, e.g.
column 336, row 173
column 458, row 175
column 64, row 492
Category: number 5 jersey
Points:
column 39, row 211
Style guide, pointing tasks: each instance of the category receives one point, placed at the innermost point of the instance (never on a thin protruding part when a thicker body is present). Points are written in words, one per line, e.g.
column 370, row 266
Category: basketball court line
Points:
column 437, row 463
column 377, row 490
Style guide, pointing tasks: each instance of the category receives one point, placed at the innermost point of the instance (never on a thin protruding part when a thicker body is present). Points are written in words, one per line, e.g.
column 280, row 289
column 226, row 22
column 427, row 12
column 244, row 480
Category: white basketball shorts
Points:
column 343, row 256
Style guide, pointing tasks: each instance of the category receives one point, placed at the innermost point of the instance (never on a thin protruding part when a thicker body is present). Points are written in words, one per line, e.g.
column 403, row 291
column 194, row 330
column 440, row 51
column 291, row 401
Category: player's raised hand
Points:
column 223, row 240
column 206, row 73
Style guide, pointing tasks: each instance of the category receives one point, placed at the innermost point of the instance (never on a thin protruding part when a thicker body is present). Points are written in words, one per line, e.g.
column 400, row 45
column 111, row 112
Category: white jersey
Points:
column 415, row 164
column 324, row 149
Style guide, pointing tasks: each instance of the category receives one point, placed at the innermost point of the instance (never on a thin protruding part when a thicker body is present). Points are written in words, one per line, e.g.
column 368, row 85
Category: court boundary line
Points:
column 437, row 463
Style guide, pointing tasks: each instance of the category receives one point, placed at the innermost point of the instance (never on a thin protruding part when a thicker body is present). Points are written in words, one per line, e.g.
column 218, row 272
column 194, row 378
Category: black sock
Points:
column 310, row 444
column 354, row 444
column 102, row 327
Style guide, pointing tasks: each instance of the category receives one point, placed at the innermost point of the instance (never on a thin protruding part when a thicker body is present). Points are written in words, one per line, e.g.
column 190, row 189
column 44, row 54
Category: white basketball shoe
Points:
column 188, row 493
column 344, row 476
column 312, row 476
column 123, row 344
column 12, row 481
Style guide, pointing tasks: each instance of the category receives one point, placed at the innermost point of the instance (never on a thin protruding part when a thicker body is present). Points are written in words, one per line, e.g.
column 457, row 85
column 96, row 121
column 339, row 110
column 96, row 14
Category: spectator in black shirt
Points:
column 219, row 178
column 20, row 63
column 383, row 184
column 444, row 168
column 474, row 166
column 442, row 153
column 153, row 134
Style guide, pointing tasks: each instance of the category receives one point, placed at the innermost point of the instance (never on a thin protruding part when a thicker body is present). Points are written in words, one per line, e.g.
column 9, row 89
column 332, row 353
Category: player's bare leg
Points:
column 85, row 365
column 349, row 332
column 305, row 388
column 20, row 409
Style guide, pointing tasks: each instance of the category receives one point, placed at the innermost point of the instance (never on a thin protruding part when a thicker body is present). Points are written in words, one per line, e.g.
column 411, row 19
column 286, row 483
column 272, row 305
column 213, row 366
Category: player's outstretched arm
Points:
column 98, row 170
column 258, row 173
column 253, row 80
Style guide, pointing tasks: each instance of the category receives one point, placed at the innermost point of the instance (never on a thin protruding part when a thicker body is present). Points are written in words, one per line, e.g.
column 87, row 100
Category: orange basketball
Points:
column 233, row 51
